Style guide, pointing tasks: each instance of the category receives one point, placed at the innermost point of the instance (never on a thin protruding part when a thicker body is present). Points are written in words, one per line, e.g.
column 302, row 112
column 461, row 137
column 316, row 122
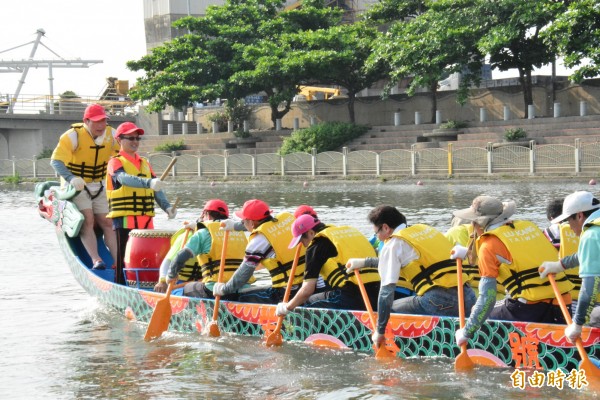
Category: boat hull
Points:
column 497, row 343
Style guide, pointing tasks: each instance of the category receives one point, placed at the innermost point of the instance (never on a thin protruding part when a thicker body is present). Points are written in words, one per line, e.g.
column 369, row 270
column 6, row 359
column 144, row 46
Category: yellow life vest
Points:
column 211, row 261
column 191, row 269
column 569, row 242
column 127, row 200
column 529, row 248
column 279, row 234
column 89, row 159
column 433, row 267
column 349, row 243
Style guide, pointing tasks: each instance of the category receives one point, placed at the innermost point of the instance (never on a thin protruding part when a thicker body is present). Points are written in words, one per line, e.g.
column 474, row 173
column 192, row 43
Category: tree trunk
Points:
column 351, row 100
column 433, row 88
column 527, row 87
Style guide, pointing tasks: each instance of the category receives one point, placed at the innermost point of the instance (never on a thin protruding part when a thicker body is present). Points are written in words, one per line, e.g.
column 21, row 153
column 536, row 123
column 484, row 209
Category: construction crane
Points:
column 23, row 66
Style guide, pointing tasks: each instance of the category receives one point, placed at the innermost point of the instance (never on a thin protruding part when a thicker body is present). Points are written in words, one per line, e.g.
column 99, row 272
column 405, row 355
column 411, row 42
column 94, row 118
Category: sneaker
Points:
column 99, row 265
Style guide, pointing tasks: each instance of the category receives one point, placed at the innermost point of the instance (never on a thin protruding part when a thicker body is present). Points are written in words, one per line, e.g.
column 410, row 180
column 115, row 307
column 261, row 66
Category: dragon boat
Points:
column 506, row 344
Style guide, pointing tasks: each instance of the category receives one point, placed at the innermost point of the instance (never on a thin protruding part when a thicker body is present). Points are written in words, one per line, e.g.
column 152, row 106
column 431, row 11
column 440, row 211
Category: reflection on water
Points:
column 58, row 343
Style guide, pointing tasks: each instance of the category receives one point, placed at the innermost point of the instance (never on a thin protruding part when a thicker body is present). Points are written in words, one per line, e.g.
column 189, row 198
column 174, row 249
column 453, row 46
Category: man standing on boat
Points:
column 80, row 158
column 267, row 245
column 581, row 210
column 509, row 252
column 132, row 188
column 206, row 245
column 420, row 254
column 328, row 248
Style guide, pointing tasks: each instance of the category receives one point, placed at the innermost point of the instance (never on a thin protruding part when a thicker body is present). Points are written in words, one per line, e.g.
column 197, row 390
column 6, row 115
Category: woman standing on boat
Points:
column 131, row 189
column 420, row 254
column 509, row 252
column 328, row 248
column 267, row 245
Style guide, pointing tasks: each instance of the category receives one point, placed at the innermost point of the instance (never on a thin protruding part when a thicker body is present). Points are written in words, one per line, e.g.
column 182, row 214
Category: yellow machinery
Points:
column 311, row 92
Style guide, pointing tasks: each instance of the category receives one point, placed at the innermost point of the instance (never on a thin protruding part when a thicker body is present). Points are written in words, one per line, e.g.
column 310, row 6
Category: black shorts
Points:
column 514, row 310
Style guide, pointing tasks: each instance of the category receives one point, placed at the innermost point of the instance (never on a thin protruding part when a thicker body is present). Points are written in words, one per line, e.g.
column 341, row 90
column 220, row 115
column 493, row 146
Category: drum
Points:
column 145, row 251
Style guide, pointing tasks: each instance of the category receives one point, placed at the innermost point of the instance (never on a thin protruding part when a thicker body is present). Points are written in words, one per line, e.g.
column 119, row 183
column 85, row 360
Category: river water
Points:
column 58, row 343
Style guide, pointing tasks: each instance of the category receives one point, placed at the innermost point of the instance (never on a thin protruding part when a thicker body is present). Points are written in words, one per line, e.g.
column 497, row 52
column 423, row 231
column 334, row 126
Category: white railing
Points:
column 477, row 161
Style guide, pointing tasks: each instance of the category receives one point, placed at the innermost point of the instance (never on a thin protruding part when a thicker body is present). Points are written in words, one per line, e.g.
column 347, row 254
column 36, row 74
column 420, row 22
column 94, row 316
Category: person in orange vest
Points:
column 131, row 189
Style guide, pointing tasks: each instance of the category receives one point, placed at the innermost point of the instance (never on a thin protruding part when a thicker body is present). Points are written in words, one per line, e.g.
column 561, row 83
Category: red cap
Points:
column 303, row 224
column 254, row 210
column 304, row 209
column 128, row 127
column 218, row 206
column 95, row 112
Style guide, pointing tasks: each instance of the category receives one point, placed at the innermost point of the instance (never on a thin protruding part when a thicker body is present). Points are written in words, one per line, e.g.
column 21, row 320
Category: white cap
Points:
column 575, row 203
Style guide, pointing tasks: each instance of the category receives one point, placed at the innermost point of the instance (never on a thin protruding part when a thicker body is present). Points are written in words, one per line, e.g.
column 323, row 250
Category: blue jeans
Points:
column 436, row 301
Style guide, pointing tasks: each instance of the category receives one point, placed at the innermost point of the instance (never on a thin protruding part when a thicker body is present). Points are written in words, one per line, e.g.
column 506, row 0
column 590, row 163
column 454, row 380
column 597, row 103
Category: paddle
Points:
column 213, row 327
column 463, row 362
column 591, row 370
column 168, row 169
column 275, row 338
column 381, row 351
column 159, row 322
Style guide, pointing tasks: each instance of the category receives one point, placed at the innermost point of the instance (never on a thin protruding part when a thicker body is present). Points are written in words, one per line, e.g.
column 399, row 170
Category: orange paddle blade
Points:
column 160, row 318
column 213, row 329
column 463, row 362
column 274, row 338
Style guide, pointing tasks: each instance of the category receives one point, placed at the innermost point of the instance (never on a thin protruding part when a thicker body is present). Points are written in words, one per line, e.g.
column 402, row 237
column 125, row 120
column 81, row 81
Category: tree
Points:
column 513, row 39
column 337, row 56
column 197, row 66
column 279, row 62
column 576, row 34
column 431, row 45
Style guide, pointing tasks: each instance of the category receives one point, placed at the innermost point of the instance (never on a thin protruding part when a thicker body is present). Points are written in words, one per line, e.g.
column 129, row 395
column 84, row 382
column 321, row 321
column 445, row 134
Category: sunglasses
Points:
column 132, row 138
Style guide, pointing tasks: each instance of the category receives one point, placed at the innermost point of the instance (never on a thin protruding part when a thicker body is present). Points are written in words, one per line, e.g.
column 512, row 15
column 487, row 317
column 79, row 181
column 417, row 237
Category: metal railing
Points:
column 46, row 104
column 509, row 159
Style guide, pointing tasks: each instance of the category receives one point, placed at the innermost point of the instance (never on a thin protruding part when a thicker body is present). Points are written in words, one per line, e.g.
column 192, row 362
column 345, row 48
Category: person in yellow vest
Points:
column 581, row 210
column 420, row 254
column 131, row 189
column 80, row 158
column 328, row 248
column 205, row 246
column 509, row 252
column 267, row 245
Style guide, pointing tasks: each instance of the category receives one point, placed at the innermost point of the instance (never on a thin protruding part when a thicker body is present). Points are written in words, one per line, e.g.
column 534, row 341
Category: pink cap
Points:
column 303, row 224
column 95, row 112
column 254, row 210
column 127, row 128
column 304, row 209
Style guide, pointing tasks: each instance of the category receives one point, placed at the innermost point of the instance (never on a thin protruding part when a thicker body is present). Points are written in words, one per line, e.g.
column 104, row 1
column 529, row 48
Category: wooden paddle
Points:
column 463, row 362
column 275, row 338
column 213, row 327
column 159, row 322
column 381, row 351
column 592, row 372
column 168, row 169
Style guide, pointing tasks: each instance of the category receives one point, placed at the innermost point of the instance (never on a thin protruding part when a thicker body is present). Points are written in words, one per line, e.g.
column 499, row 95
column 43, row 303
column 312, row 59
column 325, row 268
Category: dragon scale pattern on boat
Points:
column 500, row 343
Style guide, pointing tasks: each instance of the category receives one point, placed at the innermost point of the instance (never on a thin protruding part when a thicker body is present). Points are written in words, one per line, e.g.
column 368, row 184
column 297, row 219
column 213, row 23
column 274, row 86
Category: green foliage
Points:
column 170, row 146
column 14, row 179
column 576, row 34
column 514, row 134
column 220, row 118
column 326, row 136
column 46, row 153
column 68, row 94
column 452, row 124
column 237, row 112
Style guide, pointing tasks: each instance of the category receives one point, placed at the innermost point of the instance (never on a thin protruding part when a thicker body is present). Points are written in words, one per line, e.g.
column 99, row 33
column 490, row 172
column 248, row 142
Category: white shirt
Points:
column 258, row 245
column 395, row 254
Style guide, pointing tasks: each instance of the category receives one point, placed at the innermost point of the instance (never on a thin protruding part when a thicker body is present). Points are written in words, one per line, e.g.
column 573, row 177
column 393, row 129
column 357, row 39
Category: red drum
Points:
column 146, row 248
